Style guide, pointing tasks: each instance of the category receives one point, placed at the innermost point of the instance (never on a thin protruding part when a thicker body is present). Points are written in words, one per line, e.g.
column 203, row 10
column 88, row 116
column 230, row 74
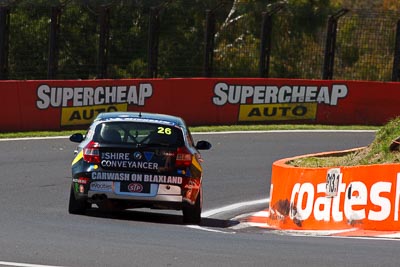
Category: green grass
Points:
column 377, row 152
column 38, row 134
column 222, row 128
column 273, row 127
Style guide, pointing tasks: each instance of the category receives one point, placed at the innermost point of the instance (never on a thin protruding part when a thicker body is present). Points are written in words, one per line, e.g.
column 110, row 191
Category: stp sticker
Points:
column 135, row 188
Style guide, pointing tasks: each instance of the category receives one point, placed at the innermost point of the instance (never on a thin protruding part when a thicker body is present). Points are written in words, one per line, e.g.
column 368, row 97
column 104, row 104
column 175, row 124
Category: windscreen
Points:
column 139, row 134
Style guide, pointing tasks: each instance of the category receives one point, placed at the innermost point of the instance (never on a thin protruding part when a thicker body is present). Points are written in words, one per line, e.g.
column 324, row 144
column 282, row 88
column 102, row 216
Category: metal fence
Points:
column 127, row 40
column 365, row 46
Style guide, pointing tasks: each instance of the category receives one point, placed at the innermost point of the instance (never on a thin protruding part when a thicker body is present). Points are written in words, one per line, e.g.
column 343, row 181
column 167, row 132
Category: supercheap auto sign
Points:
column 80, row 105
column 272, row 102
column 62, row 104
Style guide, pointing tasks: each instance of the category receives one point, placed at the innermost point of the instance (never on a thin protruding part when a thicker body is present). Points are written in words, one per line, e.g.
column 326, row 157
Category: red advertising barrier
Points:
column 63, row 104
column 363, row 197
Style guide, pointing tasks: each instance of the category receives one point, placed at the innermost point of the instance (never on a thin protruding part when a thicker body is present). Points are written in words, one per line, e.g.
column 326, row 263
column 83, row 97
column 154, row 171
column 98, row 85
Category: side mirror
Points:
column 203, row 145
column 76, row 138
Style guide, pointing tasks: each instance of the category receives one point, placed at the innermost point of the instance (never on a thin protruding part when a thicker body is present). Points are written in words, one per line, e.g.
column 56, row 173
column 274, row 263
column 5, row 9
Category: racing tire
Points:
column 76, row 206
column 192, row 213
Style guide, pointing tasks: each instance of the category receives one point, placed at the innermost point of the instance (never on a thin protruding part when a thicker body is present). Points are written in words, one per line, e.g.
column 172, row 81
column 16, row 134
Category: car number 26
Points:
column 162, row 130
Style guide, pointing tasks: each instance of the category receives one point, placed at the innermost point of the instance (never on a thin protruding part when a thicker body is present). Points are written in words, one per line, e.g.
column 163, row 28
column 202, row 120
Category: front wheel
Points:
column 192, row 214
column 76, row 206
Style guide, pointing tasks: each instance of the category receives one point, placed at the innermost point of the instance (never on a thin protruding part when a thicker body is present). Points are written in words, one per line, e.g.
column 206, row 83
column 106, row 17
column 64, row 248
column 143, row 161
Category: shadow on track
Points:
column 156, row 217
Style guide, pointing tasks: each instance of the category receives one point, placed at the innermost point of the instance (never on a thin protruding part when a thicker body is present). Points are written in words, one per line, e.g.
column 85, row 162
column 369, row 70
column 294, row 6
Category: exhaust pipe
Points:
column 99, row 197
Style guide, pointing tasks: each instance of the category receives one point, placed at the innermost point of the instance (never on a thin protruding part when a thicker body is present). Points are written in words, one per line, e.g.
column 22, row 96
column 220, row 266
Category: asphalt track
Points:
column 36, row 229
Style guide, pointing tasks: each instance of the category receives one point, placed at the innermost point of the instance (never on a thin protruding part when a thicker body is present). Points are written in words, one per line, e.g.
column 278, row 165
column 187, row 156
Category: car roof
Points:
column 141, row 116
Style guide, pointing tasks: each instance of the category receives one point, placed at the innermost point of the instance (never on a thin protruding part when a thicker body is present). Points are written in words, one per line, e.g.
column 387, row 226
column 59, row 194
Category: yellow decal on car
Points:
column 77, row 158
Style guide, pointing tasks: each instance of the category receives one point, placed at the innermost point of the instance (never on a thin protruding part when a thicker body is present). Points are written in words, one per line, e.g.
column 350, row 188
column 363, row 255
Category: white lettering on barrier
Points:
column 355, row 198
column 376, row 199
column 270, row 94
column 323, row 202
column 88, row 96
column 397, row 199
column 359, row 198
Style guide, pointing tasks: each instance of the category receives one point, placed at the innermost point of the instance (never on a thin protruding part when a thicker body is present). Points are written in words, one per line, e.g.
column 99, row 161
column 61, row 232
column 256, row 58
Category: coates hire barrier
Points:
column 64, row 104
column 360, row 197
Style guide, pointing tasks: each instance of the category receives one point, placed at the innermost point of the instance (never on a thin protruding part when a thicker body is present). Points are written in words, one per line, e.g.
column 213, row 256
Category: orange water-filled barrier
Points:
column 365, row 197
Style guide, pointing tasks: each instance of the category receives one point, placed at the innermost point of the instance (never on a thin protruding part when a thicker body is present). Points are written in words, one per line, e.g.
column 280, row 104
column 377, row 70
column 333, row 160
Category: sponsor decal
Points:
column 126, row 161
column 193, row 187
column 115, row 156
column 353, row 201
column 277, row 112
column 148, row 155
column 142, row 120
column 102, row 186
column 137, row 155
column 80, row 105
column 129, row 164
column 137, row 177
column 85, row 115
column 135, row 188
column 92, row 167
column 76, row 187
column 271, row 102
column 165, row 153
column 81, row 180
column 181, row 172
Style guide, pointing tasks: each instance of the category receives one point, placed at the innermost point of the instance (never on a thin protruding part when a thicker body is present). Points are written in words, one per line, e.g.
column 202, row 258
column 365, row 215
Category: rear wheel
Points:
column 192, row 214
column 76, row 206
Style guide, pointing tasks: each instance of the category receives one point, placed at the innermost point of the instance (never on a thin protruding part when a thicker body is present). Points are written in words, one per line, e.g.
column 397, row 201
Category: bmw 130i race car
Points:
column 137, row 160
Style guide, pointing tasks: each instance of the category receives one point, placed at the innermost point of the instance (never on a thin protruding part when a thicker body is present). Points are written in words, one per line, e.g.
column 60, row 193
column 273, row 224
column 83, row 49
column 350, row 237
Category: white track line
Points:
column 207, row 229
column 228, row 208
column 33, row 138
column 17, row 264
column 235, row 206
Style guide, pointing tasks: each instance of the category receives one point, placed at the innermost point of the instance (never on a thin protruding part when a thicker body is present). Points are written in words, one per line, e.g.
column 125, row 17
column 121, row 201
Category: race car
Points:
column 137, row 160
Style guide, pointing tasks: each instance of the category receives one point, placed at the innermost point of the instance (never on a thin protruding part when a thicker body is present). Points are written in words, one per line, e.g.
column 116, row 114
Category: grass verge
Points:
column 222, row 128
column 377, row 152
